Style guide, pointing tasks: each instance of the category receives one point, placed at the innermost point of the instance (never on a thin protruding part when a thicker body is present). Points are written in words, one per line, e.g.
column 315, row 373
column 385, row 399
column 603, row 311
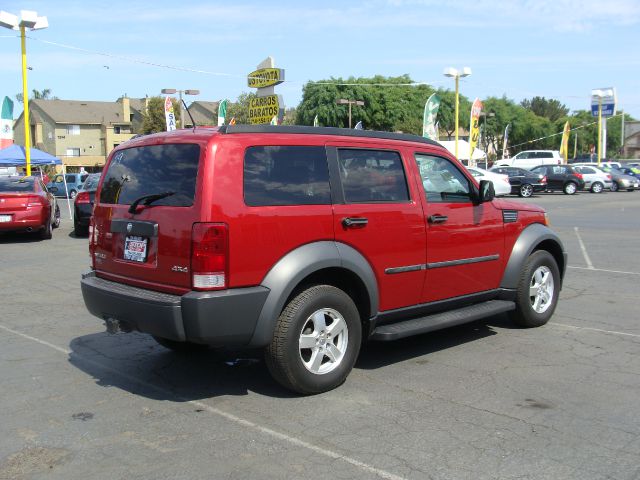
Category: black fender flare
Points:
column 297, row 265
column 533, row 236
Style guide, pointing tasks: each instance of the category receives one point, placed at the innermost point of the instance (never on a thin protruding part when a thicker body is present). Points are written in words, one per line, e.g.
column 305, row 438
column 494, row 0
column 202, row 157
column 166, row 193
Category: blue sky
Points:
column 558, row 49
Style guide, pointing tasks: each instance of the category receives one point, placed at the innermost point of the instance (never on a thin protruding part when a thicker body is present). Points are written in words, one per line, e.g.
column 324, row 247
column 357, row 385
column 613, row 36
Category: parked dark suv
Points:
column 564, row 178
column 304, row 241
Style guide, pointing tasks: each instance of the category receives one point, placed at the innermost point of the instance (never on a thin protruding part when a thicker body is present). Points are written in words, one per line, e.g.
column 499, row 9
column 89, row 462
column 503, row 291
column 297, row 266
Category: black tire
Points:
column 56, row 217
column 47, row 232
column 597, row 187
column 615, row 187
column 539, row 264
column 292, row 366
column 630, row 189
column 72, row 194
column 526, row 190
column 570, row 188
column 180, row 347
column 79, row 230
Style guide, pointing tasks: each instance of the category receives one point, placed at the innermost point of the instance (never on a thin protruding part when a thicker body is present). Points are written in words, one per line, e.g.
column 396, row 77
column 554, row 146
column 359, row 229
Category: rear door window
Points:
column 286, row 175
column 372, row 176
column 149, row 170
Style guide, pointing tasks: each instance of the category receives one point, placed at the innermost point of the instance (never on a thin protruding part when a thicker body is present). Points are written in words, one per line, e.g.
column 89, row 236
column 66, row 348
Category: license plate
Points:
column 5, row 218
column 135, row 248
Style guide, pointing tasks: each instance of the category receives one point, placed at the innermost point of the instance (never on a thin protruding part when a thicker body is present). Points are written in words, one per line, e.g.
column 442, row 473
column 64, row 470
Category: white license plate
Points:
column 5, row 218
column 135, row 248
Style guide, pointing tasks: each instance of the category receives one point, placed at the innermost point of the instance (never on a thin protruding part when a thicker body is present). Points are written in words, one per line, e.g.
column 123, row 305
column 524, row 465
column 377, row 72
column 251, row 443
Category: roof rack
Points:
column 343, row 132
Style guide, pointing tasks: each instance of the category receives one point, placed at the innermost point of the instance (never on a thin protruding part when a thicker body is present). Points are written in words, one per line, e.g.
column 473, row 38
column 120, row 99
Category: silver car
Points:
column 595, row 179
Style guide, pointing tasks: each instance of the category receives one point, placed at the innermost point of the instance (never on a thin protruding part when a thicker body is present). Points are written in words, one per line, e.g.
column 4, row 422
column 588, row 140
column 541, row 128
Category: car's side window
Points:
column 370, row 176
column 286, row 175
column 559, row 170
column 442, row 181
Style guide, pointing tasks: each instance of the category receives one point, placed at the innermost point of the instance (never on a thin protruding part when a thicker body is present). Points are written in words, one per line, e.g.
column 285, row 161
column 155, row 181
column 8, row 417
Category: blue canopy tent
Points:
column 14, row 156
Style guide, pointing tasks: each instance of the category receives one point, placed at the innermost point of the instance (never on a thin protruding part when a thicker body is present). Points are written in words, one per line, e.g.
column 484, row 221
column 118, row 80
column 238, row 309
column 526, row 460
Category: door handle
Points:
column 437, row 218
column 355, row 222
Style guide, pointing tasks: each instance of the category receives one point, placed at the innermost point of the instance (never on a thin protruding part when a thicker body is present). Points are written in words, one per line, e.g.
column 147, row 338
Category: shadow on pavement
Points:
column 137, row 364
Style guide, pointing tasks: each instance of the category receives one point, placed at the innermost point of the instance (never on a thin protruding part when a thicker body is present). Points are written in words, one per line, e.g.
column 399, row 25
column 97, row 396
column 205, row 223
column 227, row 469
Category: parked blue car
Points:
column 74, row 181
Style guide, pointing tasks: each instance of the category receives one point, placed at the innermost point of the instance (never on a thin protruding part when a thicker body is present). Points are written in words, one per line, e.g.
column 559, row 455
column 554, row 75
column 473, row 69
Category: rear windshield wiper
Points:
column 148, row 199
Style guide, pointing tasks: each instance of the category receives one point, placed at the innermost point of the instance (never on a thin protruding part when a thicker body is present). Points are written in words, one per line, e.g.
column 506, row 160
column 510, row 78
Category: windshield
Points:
column 21, row 184
column 139, row 171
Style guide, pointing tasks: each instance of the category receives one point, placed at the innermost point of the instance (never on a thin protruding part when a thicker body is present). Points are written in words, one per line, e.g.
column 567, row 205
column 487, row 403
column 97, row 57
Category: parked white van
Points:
column 529, row 159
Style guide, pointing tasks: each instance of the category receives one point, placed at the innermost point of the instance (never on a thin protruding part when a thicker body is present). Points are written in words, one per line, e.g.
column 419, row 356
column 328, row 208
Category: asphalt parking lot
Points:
column 481, row 401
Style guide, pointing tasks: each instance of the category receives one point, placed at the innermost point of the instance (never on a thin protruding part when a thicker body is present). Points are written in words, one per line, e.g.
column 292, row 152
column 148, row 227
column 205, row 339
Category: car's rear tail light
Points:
column 209, row 256
column 83, row 197
column 579, row 175
column 608, row 177
column 92, row 243
column 544, row 179
column 506, row 179
column 34, row 201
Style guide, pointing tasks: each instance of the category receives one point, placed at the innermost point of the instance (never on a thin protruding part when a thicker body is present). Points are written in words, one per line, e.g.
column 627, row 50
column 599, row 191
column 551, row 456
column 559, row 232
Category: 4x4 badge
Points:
column 178, row 268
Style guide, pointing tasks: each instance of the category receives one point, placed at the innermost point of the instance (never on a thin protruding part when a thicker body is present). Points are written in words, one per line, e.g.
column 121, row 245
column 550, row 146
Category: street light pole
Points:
column 452, row 72
column 172, row 91
column 28, row 19
column 344, row 101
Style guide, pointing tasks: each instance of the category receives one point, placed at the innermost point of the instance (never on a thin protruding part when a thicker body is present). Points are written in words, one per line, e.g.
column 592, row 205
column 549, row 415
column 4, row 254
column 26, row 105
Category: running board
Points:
column 441, row 320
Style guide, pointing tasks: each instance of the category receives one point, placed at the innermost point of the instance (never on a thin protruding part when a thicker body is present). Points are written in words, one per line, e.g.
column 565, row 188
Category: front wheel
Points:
column 538, row 290
column 597, row 187
column 316, row 341
column 72, row 194
column 570, row 188
column 526, row 190
column 615, row 187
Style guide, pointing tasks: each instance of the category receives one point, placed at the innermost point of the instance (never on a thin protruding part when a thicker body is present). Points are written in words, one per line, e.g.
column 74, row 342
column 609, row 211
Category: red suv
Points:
column 306, row 241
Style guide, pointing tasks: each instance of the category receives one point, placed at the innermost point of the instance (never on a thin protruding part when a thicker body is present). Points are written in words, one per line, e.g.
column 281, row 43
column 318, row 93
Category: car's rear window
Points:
column 91, row 182
column 16, row 184
column 140, row 171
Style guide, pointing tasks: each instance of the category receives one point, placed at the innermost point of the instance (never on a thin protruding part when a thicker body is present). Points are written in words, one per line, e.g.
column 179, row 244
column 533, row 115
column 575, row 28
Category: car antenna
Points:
column 193, row 122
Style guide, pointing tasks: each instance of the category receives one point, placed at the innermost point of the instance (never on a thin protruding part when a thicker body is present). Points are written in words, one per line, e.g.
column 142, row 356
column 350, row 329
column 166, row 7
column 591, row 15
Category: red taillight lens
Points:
column 608, row 177
column 579, row 175
column 209, row 256
column 83, row 197
column 544, row 179
column 34, row 201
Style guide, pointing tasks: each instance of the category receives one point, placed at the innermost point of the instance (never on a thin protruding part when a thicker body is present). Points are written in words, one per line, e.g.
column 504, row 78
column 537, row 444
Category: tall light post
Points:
column 172, row 91
column 344, row 101
column 600, row 94
column 486, row 140
column 31, row 20
column 452, row 72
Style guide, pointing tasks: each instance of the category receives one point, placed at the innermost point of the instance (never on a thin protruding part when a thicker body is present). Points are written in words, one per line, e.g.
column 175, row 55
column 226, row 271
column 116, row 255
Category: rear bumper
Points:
column 82, row 214
column 226, row 317
column 24, row 220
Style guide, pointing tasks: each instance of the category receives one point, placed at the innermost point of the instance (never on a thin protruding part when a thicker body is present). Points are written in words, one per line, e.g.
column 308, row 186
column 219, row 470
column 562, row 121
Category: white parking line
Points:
column 584, row 249
column 603, row 270
column 611, row 332
column 229, row 416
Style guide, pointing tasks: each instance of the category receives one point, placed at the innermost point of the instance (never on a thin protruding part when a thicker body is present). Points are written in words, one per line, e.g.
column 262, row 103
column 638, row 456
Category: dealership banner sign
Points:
column 6, row 123
column 429, row 129
column 266, row 105
column 474, row 130
column 263, row 109
column 169, row 115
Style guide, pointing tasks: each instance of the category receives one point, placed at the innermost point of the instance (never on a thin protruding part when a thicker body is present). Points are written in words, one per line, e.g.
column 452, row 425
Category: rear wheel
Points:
column 538, row 290
column 56, row 217
column 47, row 232
column 597, row 187
column 570, row 188
column 526, row 190
column 316, row 341
column 615, row 187
column 79, row 230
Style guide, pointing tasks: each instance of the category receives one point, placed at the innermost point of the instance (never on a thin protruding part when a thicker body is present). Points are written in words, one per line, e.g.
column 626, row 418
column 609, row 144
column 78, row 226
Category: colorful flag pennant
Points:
column 169, row 115
column 222, row 112
column 429, row 129
column 6, row 123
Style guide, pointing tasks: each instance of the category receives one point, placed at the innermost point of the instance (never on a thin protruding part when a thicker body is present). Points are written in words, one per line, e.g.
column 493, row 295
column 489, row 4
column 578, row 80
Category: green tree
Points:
column 446, row 112
column 37, row 95
column 389, row 103
column 153, row 120
column 240, row 108
column 551, row 109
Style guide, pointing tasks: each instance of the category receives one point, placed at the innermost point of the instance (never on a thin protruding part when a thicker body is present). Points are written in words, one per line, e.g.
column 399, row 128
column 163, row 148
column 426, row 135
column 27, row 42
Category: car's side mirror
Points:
column 487, row 191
